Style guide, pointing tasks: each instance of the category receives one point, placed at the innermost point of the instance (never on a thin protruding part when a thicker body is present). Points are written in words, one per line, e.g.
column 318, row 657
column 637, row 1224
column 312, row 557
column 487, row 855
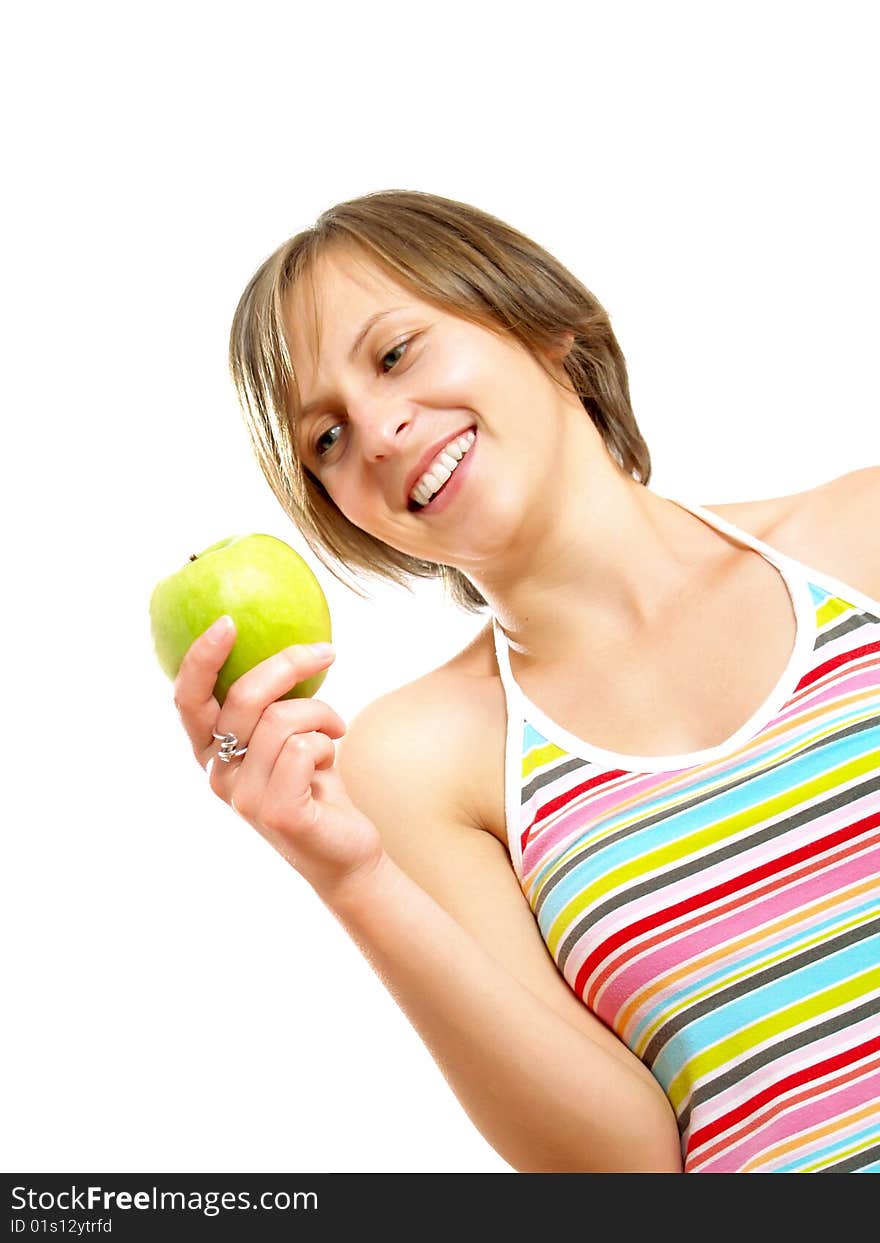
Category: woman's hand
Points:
column 286, row 785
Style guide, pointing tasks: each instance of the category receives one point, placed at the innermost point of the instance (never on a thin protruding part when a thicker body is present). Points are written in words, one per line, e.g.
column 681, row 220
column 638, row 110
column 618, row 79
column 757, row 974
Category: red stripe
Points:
column 844, row 658
column 741, row 900
column 788, row 1084
column 696, row 901
column 566, row 797
column 561, row 800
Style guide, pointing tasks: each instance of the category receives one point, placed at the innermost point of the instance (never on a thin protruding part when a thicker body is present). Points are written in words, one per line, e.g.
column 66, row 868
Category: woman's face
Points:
column 374, row 404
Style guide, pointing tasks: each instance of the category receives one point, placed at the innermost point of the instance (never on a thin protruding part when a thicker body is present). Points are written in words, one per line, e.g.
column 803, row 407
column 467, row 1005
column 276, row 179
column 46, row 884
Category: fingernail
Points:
column 323, row 649
column 220, row 628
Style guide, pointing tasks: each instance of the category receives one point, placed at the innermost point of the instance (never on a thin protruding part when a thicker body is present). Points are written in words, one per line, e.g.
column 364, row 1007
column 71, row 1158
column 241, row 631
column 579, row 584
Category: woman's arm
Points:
column 432, row 903
column 444, row 924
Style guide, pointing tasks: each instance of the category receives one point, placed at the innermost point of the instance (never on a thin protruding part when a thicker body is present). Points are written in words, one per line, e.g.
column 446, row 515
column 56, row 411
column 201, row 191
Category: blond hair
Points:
column 468, row 263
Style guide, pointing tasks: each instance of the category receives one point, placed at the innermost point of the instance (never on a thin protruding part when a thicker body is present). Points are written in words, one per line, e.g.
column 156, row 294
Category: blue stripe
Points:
column 678, row 825
column 836, row 1151
column 720, row 1024
column 752, row 963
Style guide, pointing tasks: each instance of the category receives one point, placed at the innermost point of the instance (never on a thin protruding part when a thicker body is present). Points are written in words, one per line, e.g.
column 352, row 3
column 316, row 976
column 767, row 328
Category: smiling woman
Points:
column 438, row 261
column 618, row 860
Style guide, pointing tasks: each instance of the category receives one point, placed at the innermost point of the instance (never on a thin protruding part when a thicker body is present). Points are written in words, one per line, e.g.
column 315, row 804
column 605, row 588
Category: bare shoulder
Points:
column 760, row 518
column 834, row 527
column 445, row 730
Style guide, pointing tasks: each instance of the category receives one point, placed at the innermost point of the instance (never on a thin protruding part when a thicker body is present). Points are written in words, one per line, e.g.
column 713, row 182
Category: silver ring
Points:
column 229, row 747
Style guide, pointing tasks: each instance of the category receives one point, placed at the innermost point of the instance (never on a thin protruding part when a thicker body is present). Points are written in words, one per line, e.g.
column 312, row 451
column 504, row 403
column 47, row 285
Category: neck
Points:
column 600, row 565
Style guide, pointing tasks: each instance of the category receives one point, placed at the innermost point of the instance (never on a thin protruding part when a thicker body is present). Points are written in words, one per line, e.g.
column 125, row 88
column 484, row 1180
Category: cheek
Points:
column 355, row 502
column 486, row 378
column 346, row 498
column 456, row 376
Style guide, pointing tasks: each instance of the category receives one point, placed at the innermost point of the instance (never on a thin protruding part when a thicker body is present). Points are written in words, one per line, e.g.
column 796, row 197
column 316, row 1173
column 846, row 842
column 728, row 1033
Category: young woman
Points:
column 617, row 860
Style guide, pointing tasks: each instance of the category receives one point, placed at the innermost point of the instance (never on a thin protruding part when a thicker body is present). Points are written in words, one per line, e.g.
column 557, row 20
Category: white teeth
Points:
column 441, row 468
column 436, row 475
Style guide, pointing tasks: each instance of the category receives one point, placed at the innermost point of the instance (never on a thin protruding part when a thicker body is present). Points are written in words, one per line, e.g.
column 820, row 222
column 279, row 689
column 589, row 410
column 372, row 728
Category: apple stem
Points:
column 193, row 556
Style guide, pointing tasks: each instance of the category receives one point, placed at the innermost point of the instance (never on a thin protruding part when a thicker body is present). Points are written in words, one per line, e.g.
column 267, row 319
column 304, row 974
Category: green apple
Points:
column 267, row 589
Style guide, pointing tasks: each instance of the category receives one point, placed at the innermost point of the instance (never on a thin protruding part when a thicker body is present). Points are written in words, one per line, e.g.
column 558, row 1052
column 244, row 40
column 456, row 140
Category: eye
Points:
column 401, row 346
column 317, row 449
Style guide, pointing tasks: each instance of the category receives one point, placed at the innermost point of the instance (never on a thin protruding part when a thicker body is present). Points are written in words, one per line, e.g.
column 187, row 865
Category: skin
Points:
column 569, row 552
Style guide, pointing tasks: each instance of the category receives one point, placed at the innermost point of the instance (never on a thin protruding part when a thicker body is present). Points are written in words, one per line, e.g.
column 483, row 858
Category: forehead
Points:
column 332, row 299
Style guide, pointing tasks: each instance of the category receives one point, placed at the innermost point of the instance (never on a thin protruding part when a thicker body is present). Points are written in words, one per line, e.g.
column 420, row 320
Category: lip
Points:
column 428, row 457
column 450, row 490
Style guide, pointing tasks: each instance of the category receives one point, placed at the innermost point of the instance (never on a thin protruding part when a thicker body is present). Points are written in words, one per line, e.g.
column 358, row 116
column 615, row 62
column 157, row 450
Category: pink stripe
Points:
column 841, row 682
column 788, row 1101
column 656, row 787
column 584, row 819
column 621, row 798
column 811, row 1114
column 636, row 909
column 765, row 1076
column 743, row 907
column 669, row 957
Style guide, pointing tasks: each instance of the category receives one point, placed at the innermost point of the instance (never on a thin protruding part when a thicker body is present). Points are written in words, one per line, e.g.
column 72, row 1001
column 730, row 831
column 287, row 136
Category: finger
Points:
column 288, row 801
column 250, row 695
column 194, row 685
column 240, row 781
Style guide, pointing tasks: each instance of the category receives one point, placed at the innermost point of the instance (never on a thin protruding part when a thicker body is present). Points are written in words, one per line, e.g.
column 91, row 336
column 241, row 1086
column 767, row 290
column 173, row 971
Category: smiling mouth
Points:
column 415, row 508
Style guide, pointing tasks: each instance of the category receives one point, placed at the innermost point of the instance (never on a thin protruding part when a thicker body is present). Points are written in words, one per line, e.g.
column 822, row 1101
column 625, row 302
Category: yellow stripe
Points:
column 805, row 1138
column 833, row 608
column 709, row 835
column 537, row 757
column 764, row 933
column 672, row 787
column 747, row 1038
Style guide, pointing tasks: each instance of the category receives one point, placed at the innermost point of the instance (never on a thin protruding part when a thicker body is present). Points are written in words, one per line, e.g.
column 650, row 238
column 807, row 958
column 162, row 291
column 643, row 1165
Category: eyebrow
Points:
column 353, row 352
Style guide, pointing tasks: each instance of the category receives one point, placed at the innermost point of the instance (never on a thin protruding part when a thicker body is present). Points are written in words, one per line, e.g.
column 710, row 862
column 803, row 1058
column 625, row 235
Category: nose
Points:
column 384, row 429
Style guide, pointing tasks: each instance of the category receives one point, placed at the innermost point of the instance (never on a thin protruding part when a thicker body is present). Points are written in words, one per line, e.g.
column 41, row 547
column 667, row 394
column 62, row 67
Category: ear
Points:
column 561, row 350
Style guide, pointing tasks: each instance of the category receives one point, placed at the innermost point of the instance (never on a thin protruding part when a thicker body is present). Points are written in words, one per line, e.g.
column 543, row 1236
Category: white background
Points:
column 177, row 999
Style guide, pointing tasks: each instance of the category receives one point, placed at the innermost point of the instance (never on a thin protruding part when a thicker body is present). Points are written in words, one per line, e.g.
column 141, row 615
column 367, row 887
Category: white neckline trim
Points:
column 796, row 579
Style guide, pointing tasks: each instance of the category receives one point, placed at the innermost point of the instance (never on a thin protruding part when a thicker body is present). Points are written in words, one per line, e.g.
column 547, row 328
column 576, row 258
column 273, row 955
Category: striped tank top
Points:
column 720, row 910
